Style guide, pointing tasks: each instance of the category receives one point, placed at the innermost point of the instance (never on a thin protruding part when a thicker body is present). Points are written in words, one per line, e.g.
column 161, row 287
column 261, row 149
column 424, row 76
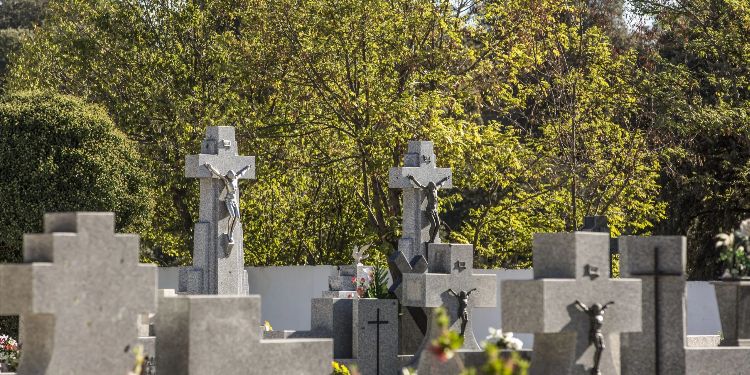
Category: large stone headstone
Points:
column 218, row 268
column 410, row 257
column 659, row 262
column 450, row 269
column 570, row 267
column 222, row 335
column 79, row 292
column 375, row 336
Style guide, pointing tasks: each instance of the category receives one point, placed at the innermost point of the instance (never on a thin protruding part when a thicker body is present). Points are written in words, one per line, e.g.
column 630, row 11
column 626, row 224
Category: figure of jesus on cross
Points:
column 430, row 192
column 231, row 183
column 596, row 337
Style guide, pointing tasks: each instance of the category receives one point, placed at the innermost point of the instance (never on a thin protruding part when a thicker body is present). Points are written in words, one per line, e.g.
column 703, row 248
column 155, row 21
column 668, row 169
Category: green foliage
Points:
column 699, row 114
column 733, row 249
column 500, row 363
column 378, row 287
column 532, row 108
column 61, row 154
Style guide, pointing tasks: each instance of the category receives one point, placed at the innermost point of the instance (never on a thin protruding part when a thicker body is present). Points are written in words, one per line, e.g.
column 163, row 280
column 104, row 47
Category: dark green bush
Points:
column 57, row 154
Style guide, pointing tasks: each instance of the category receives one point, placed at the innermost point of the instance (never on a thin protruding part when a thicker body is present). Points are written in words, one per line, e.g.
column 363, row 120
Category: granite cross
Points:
column 432, row 289
column 410, row 257
column 223, row 335
column 546, row 306
column 218, row 267
column 79, row 294
column 659, row 261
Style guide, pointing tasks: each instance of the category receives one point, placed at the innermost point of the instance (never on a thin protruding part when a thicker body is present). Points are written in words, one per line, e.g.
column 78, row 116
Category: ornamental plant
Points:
column 9, row 352
column 378, row 287
column 733, row 249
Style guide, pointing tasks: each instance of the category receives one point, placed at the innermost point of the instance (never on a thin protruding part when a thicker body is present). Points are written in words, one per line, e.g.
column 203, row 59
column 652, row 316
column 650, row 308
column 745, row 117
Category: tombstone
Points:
column 659, row 262
column 79, row 292
column 218, row 267
column 375, row 336
column 570, row 267
column 410, row 257
column 222, row 335
column 450, row 268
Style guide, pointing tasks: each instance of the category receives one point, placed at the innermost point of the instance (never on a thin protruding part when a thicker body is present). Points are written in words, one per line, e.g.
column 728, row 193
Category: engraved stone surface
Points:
column 659, row 261
column 375, row 336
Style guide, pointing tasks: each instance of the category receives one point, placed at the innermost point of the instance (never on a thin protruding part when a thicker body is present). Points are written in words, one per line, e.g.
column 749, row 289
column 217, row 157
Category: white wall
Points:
column 287, row 291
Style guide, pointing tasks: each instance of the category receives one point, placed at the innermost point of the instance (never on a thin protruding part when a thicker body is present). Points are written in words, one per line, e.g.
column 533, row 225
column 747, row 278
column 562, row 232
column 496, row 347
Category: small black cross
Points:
column 377, row 323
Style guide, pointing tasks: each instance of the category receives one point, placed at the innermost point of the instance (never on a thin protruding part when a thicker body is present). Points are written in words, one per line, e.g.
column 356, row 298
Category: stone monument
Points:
column 418, row 228
column 79, row 293
column 570, row 267
column 218, row 258
column 659, row 262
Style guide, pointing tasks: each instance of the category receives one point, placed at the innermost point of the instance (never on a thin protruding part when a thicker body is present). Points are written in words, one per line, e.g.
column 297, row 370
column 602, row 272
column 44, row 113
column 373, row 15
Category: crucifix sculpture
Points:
column 231, row 200
column 430, row 192
column 596, row 322
column 463, row 303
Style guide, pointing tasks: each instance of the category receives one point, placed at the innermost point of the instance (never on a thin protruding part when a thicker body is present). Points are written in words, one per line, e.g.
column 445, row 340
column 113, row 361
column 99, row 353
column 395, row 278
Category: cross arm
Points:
column 195, row 165
column 398, row 178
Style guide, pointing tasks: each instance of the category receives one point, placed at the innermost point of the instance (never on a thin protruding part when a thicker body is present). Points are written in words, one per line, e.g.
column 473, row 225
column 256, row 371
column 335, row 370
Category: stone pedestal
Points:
column 733, row 298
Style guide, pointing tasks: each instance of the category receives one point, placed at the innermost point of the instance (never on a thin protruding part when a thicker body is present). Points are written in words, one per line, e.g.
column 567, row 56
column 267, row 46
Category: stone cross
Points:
column 659, row 262
column 570, row 267
column 223, row 335
column 419, row 162
column 218, row 268
column 450, row 268
column 79, row 294
column 410, row 257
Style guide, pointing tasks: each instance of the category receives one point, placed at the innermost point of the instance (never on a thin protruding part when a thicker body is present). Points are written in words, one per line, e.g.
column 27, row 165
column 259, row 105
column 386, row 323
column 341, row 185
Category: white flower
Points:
column 503, row 340
column 745, row 227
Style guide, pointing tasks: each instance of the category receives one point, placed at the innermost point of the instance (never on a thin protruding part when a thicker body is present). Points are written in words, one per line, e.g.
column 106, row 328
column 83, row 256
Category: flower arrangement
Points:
column 503, row 340
column 445, row 346
column 267, row 326
column 734, row 247
column 9, row 352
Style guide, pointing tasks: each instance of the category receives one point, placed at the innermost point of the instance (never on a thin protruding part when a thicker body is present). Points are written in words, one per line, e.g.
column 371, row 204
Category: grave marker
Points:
column 546, row 306
column 218, row 266
column 79, row 292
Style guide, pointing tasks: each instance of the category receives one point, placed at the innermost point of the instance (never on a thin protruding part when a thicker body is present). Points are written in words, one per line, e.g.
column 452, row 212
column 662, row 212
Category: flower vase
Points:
column 733, row 299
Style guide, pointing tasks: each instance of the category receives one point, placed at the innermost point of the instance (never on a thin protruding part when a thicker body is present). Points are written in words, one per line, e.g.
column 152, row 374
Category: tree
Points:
column 17, row 17
column 61, row 154
column 698, row 108
column 327, row 93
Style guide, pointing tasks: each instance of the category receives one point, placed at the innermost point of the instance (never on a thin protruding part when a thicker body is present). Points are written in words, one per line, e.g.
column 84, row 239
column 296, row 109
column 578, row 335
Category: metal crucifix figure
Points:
column 596, row 337
column 230, row 180
column 463, row 303
column 430, row 191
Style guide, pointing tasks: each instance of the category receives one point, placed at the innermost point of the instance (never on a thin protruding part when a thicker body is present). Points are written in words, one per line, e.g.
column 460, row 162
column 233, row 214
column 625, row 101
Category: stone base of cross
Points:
column 570, row 267
column 450, row 277
column 223, row 335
